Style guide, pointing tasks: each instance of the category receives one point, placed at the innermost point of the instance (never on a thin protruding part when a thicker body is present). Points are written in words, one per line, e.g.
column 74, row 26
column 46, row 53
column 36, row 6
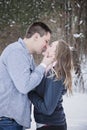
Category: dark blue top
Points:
column 47, row 100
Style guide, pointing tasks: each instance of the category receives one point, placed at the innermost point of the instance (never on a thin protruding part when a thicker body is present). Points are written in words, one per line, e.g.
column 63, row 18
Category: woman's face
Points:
column 52, row 48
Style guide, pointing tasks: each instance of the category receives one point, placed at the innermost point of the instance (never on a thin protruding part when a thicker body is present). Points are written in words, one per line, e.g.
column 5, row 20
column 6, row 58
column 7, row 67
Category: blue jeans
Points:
column 9, row 124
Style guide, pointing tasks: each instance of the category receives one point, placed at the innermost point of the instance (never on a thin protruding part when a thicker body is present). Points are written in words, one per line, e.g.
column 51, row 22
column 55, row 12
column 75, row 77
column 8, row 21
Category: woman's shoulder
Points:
column 51, row 81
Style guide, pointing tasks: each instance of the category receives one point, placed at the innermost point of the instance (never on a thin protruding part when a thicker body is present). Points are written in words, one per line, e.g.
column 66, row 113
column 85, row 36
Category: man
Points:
column 18, row 76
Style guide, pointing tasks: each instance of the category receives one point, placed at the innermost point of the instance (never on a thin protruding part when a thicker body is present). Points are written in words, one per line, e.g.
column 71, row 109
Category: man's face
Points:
column 42, row 43
column 51, row 49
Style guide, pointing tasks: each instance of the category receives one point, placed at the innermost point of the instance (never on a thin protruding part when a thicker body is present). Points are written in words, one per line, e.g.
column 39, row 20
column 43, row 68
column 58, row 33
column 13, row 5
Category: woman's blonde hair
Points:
column 64, row 64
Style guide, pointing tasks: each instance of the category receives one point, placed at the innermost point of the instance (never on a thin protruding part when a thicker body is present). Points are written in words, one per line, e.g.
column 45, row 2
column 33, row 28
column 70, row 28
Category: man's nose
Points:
column 45, row 50
column 46, row 47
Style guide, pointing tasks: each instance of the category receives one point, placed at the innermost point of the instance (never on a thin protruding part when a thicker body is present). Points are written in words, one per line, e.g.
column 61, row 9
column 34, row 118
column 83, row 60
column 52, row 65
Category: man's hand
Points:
column 48, row 59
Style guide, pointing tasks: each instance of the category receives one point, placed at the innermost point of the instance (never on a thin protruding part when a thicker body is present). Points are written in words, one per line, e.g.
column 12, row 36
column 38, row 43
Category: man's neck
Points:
column 28, row 43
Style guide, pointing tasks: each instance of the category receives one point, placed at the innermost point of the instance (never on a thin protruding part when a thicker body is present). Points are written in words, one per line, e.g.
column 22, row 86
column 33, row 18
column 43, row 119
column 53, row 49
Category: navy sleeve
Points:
column 53, row 92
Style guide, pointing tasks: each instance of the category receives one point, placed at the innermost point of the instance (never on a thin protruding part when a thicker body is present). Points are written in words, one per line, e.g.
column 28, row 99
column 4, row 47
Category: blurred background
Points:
column 66, row 18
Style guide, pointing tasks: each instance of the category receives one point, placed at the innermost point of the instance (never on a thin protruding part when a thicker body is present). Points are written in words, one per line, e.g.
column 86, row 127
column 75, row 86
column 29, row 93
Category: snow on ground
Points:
column 76, row 112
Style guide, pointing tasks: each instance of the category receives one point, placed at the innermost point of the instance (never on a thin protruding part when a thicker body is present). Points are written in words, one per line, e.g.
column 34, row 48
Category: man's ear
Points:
column 36, row 36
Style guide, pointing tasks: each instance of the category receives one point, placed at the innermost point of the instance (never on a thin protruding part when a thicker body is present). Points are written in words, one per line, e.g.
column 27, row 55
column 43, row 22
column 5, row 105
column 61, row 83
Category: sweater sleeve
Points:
column 18, row 66
column 52, row 95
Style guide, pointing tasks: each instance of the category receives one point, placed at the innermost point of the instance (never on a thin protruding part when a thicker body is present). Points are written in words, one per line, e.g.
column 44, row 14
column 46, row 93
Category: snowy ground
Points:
column 76, row 112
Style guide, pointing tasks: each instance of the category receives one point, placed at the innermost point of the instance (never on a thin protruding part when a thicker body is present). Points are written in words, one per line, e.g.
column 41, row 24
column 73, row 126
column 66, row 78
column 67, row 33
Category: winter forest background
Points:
column 66, row 18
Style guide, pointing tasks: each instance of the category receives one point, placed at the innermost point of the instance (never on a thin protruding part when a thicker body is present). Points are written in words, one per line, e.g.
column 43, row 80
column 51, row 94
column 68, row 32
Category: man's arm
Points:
column 18, row 66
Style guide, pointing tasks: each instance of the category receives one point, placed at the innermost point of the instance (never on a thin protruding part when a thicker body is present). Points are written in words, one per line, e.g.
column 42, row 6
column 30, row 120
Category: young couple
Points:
column 22, row 81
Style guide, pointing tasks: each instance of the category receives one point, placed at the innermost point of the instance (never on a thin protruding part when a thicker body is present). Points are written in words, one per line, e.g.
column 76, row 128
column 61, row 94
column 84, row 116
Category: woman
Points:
column 47, row 97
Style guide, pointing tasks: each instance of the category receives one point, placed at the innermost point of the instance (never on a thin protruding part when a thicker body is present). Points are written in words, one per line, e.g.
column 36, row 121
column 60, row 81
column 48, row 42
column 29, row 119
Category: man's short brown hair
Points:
column 37, row 27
